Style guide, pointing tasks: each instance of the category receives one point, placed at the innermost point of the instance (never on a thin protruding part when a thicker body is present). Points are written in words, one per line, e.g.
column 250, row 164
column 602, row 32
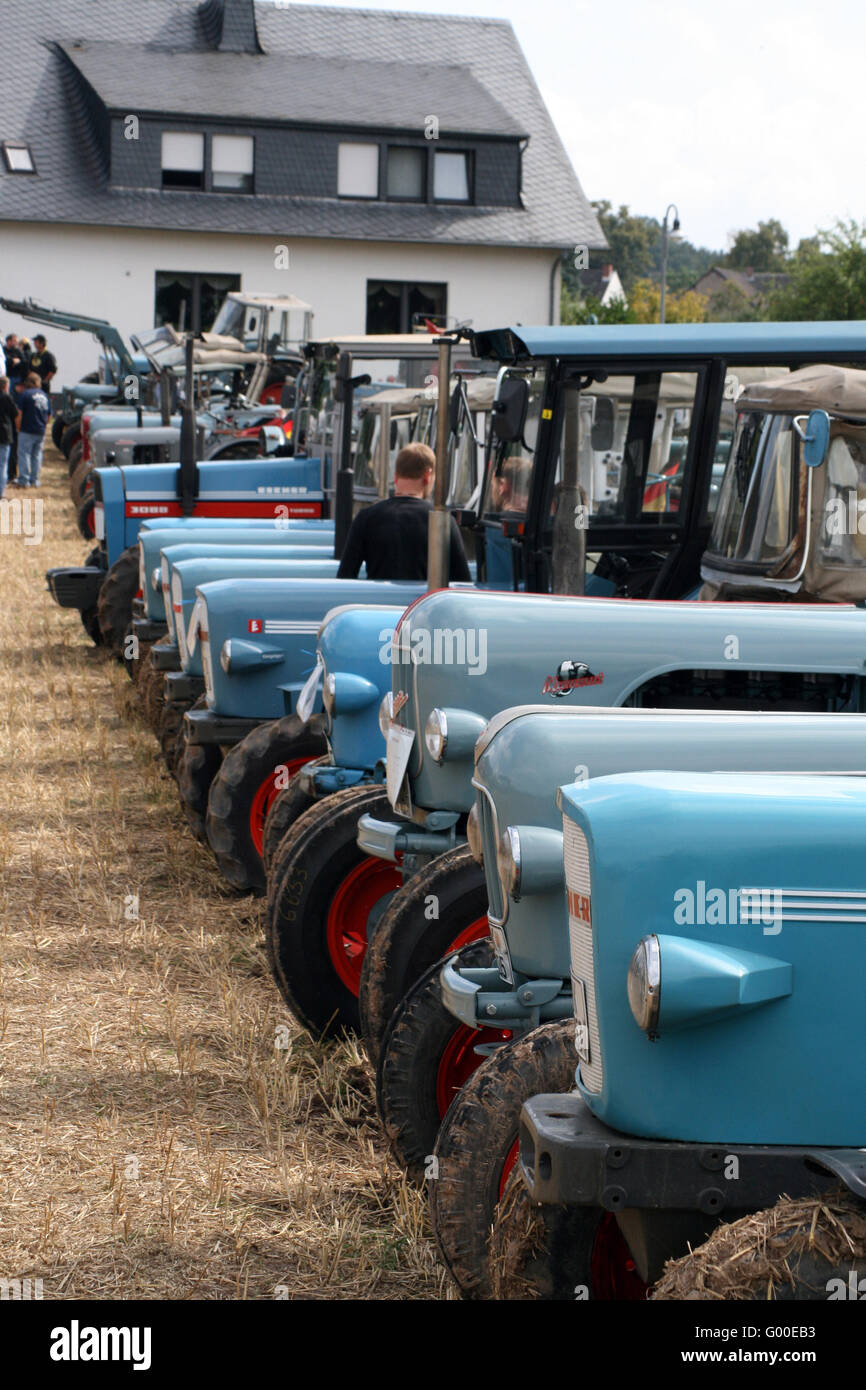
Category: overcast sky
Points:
column 736, row 112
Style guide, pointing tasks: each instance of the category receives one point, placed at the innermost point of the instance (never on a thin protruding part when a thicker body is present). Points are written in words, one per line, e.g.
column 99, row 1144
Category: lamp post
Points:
column 671, row 207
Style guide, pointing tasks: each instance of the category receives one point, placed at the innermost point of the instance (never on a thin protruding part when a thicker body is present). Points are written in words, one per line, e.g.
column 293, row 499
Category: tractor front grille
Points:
column 580, row 931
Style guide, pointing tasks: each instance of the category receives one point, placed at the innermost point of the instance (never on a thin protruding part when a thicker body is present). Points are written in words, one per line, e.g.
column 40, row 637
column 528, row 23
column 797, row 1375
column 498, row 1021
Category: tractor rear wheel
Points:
column 58, row 426
column 90, row 623
column 425, row 1058
column 440, row 909
column 70, row 437
column 477, row 1146
column 283, row 811
column 114, row 604
column 196, row 769
column 87, row 516
column 324, row 898
column 80, row 483
column 251, row 775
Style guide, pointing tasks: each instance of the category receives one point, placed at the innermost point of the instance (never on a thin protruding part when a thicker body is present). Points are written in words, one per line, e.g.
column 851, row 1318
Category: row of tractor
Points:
column 573, row 848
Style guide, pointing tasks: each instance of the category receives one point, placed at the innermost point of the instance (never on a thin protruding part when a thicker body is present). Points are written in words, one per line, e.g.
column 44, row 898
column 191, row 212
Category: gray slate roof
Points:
column 349, row 48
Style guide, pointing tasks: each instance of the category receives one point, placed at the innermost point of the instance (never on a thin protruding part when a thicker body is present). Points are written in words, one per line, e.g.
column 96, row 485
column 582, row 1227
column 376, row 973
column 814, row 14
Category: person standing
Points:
column 8, row 418
column 35, row 409
column 42, row 361
column 17, row 360
column 390, row 537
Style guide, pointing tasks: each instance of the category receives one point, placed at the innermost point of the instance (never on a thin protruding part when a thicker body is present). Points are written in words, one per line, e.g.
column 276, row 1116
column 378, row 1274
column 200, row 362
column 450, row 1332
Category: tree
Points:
column 761, row 248
column 574, row 309
column 828, row 276
column 731, row 305
column 685, row 307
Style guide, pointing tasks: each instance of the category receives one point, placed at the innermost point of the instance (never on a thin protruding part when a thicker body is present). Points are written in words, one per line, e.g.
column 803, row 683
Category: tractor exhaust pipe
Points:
column 187, row 481
column 439, row 528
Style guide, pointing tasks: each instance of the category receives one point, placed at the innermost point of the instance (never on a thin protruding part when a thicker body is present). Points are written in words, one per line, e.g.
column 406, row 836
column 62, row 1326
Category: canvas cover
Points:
column 838, row 390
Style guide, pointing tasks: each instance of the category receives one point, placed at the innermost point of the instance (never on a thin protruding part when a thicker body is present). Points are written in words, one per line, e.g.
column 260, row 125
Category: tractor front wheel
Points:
column 251, row 776
column 440, row 909
column 197, row 766
column 477, row 1146
column 325, row 897
column 114, row 604
column 282, row 813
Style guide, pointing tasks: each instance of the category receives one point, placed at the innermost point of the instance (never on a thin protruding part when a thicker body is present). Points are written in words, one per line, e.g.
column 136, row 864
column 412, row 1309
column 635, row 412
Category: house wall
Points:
column 109, row 273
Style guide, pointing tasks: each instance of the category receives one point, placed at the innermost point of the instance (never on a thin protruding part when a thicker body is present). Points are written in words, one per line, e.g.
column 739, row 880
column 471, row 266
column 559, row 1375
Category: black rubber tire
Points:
column 76, row 454
column 133, row 654
column 314, row 860
column 475, row 1139
column 151, row 690
column 58, row 427
column 284, row 810
column 70, row 437
column 114, row 604
column 90, row 623
column 86, row 516
column 196, row 769
column 239, row 449
column 170, row 727
column 244, row 771
column 406, row 942
column 540, row 1252
column 78, row 483
column 407, row 1073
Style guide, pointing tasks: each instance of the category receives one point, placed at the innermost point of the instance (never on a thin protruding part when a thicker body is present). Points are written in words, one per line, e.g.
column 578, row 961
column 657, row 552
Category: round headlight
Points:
column 226, row 656
column 386, row 713
column 436, row 734
column 473, row 835
column 508, row 861
column 645, row 984
column 329, row 691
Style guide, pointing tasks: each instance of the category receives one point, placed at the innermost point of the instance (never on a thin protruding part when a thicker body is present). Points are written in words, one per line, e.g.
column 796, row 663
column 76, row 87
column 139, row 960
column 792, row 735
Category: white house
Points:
column 385, row 167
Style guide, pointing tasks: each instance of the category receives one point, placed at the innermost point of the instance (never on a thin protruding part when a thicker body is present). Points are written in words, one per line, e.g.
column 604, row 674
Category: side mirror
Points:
column 604, row 416
column 815, row 437
column 454, row 409
column 509, row 408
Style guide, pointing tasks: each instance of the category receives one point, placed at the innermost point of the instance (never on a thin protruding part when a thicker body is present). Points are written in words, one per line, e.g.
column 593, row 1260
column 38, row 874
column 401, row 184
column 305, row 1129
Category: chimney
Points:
column 606, row 271
column 230, row 25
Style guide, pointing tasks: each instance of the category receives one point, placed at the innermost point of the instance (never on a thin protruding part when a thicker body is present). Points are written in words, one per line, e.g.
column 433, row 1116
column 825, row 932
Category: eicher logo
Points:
column 77, row 1343
column 570, row 675
column 580, row 907
column 255, row 625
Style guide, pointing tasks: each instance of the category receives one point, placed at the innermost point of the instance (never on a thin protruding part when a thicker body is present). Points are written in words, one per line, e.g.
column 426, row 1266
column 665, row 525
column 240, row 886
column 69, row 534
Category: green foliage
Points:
column 636, row 252
column 731, row 305
column 573, row 309
column 762, row 248
column 828, row 277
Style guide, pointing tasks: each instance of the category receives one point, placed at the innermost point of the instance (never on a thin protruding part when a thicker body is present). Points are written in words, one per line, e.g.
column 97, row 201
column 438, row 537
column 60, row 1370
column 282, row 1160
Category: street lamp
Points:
column 671, row 207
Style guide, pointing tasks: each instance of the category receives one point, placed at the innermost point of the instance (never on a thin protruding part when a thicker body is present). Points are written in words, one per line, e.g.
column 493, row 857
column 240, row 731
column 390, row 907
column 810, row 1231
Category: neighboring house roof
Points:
column 751, row 283
column 601, row 283
column 340, row 66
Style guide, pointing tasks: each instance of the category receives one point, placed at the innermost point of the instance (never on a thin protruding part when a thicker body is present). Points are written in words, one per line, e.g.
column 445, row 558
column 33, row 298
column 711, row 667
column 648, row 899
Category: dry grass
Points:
column 155, row 1139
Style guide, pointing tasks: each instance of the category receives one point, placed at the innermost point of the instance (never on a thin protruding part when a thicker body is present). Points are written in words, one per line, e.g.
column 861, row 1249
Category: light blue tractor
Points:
column 717, row 979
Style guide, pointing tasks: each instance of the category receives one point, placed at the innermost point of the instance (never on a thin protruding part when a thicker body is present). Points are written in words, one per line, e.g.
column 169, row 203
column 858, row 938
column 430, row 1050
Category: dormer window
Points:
column 451, row 176
column 406, row 170
column 231, row 163
column 18, row 157
column 182, row 159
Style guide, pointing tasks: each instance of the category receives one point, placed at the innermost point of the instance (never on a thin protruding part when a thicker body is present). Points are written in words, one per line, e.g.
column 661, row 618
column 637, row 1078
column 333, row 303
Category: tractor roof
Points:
column 838, row 390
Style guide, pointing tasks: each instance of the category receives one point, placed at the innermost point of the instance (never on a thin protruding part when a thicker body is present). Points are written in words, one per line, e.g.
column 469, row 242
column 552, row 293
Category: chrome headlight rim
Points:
column 475, row 835
column 386, row 713
column 436, row 734
column 155, row 578
column 643, row 984
column 508, row 861
column 329, row 692
column 226, row 655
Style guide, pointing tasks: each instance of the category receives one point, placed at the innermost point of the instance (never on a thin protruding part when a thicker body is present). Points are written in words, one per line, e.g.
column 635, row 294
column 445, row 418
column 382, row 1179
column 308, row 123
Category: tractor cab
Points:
column 610, row 444
column 791, row 516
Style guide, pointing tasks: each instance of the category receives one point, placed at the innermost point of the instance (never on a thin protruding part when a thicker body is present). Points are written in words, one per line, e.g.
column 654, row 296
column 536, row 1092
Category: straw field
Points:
column 166, row 1130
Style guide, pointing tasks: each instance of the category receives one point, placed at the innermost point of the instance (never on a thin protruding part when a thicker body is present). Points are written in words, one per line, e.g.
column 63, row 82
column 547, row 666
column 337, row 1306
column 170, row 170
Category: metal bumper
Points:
column 183, row 688
column 569, row 1156
column 147, row 631
column 395, row 840
column 203, row 726
column 477, row 997
column 76, row 588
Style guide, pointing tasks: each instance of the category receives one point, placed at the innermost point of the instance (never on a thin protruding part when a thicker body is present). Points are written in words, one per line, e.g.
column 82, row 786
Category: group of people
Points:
column 26, row 373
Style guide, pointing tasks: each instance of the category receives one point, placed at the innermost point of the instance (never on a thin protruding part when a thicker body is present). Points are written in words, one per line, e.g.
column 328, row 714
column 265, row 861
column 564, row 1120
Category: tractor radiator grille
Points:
column 577, row 879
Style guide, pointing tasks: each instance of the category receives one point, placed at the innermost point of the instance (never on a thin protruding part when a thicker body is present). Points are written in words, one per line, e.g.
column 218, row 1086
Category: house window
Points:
column 182, row 160
column 358, row 171
column 190, row 301
column 400, row 306
column 406, row 169
column 450, row 176
column 18, row 157
column 231, row 163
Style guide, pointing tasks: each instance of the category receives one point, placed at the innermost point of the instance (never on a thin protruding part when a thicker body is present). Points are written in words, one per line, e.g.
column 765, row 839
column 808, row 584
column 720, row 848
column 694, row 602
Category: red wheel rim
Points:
column 361, row 890
column 459, row 1060
column 614, row 1274
column 474, row 932
column 266, row 795
column 90, row 522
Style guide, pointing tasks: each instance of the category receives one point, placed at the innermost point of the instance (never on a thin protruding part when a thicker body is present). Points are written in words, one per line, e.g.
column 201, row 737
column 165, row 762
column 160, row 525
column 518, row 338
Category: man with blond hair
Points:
column 390, row 537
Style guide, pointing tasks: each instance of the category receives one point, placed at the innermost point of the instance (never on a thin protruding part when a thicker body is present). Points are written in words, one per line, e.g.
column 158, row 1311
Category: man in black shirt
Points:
column 391, row 536
column 9, row 416
column 43, row 361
